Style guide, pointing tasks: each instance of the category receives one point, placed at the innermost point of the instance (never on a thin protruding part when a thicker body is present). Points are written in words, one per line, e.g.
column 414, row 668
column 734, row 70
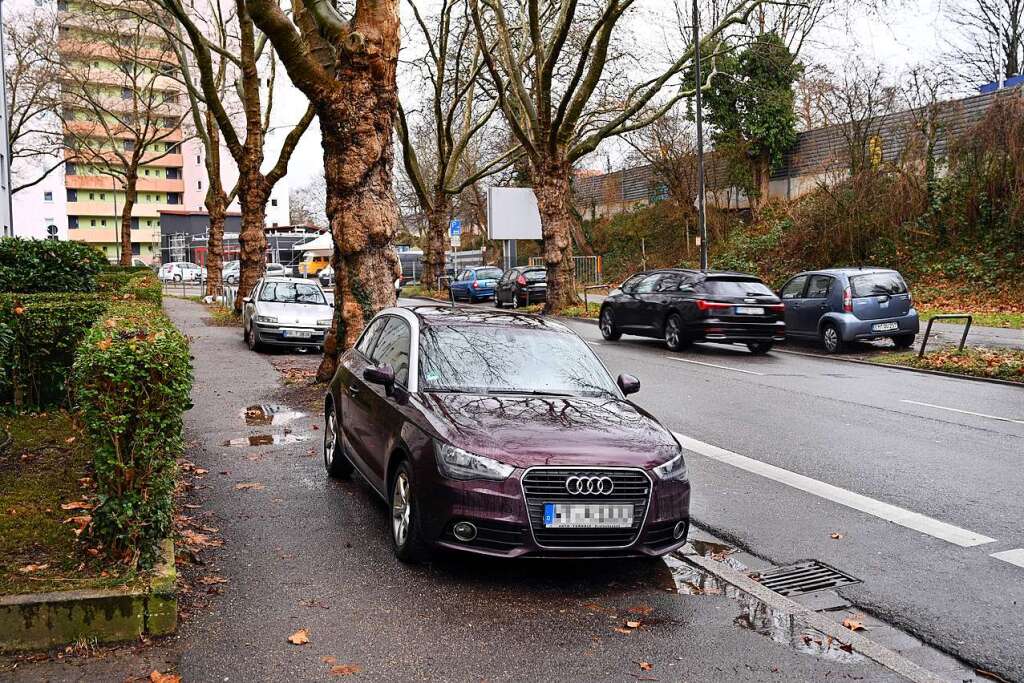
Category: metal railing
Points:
column 947, row 316
column 588, row 268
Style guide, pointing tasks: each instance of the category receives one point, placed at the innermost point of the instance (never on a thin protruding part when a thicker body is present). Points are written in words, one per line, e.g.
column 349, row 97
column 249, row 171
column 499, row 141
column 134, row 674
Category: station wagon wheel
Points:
column 607, row 324
column 335, row 462
column 405, row 526
column 674, row 336
column 831, row 338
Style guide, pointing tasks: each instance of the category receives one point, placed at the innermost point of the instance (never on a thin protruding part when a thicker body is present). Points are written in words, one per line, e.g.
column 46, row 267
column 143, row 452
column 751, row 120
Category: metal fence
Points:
column 588, row 268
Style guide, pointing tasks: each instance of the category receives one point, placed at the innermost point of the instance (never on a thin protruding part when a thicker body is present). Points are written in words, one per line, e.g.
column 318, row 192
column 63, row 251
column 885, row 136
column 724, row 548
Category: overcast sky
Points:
column 907, row 33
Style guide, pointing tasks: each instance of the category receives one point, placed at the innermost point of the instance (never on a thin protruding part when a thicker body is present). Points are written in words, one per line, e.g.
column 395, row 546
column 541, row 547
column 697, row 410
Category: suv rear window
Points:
column 877, row 284
column 737, row 288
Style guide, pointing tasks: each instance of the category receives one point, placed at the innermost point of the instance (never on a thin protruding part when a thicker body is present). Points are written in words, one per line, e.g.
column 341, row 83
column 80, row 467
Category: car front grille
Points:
column 547, row 485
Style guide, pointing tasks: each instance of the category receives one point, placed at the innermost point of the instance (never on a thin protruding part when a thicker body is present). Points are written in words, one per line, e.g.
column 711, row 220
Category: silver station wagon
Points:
column 283, row 311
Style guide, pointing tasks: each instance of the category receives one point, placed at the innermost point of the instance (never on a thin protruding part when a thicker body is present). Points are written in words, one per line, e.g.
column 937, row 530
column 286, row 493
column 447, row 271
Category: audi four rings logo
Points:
column 579, row 486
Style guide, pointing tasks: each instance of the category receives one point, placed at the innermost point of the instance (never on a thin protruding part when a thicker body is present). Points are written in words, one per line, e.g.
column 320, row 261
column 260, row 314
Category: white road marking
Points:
column 965, row 412
column 713, row 365
column 891, row 513
column 1015, row 556
column 594, row 343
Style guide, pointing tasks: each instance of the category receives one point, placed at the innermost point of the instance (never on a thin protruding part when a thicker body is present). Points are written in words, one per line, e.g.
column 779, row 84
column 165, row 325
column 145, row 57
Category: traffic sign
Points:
column 455, row 227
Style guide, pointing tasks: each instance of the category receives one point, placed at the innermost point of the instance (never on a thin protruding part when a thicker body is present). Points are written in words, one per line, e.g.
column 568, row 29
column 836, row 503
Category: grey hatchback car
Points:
column 842, row 305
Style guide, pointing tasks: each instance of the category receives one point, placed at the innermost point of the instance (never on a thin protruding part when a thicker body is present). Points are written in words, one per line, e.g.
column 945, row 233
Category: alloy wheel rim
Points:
column 400, row 509
column 672, row 332
column 515, row 301
column 830, row 338
column 330, row 434
column 606, row 322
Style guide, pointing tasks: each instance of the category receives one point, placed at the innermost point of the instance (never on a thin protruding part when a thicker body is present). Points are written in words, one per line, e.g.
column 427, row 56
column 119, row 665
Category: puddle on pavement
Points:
column 272, row 413
column 752, row 614
column 267, row 439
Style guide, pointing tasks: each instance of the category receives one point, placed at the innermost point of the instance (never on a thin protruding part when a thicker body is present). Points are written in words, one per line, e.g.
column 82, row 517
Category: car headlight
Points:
column 266, row 319
column 456, row 463
column 324, row 323
column 673, row 469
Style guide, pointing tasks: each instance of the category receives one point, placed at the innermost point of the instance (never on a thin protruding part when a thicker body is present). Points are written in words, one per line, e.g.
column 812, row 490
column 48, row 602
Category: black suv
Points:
column 686, row 306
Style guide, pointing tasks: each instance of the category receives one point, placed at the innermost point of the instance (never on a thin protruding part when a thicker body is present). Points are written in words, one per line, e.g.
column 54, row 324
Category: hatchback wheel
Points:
column 254, row 339
column 607, row 324
column 405, row 525
column 759, row 348
column 497, row 301
column 515, row 300
column 335, row 462
column 831, row 338
column 904, row 341
column 675, row 339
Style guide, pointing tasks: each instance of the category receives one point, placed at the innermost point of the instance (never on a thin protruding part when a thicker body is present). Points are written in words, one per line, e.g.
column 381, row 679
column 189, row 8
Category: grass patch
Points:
column 1007, row 364
column 421, row 291
column 47, row 465
column 1010, row 321
column 223, row 317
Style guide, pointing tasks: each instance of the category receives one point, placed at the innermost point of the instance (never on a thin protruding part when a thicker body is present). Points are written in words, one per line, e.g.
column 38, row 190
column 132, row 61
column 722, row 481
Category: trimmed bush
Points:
column 43, row 332
column 131, row 283
column 48, row 266
column 132, row 378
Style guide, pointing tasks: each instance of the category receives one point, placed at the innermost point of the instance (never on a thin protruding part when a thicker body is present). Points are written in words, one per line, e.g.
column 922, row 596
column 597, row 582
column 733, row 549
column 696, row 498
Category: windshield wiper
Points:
column 531, row 392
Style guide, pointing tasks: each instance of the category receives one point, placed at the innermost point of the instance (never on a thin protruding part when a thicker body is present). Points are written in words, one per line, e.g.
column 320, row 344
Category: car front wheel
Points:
column 405, row 525
column 831, row 339
column 335, row 462
column 253, row 339
column 607, row 324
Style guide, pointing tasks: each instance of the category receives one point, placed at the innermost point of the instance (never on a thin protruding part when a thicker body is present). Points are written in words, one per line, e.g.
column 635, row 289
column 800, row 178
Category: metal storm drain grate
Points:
column 804, row 577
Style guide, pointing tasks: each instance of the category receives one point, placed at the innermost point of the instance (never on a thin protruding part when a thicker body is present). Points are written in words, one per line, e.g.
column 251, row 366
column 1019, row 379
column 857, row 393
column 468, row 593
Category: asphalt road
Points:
column 949, row 450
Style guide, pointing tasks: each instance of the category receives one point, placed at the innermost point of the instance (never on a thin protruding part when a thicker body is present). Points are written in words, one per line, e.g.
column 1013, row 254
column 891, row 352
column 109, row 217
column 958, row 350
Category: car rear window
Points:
column 877, row 284
column 737, row 288
column 535, row 275
column 488, row 274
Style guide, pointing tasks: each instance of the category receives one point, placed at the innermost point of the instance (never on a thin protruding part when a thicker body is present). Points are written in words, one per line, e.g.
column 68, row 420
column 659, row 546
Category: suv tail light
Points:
column 521, row 280
column 706, row 305
column 847, row 301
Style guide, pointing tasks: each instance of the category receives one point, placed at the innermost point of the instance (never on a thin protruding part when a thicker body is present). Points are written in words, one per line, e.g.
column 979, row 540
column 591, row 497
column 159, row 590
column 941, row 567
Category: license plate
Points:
column 297, row 334
column 750, row 310
column 884, row 327
column 588, row 516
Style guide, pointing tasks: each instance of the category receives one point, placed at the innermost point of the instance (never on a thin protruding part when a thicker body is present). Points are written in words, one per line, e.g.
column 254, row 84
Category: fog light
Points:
column 679, row 531
column 464, row 531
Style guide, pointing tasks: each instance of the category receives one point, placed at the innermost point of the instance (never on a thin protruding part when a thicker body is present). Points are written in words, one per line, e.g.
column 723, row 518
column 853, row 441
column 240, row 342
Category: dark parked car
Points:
column 521, row 287
column 475, row 284
column 845, row 304
column 686, row 306
column 502, row 434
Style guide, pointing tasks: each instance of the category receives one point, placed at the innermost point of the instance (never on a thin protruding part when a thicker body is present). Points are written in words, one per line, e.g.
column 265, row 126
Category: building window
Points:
column 92, row 222
column 70, row 169
column 273, row 225
column 173, row 148
column 73, row 222
column 135, row 223
column 103, row 196
column 273, row 202
column 129, row 145
column 197, row 159
column 146, row 171
column 47, row 196
column 92, row 195
column 170, row 123
column 149, row 223
column 104, row 221
column 173, row 198
column 51, row 231
column 135, row 248
column 72, row 195
column 126, row 93
column 199, row 184
column 173, row 173
column 62, row 5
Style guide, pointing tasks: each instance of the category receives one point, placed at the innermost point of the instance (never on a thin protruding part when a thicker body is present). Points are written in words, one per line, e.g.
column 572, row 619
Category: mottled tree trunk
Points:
column 356, row 127
column 761, row 171
column 130, row 196
column 252, row 240
column 436, row 244
column 216, row 205
column 554, row 197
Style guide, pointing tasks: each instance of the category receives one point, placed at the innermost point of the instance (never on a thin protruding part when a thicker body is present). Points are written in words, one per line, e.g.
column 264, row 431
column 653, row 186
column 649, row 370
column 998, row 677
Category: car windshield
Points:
column 737, row 288
column 877, row 284
column 484, row 359
column 536, row 275
column 292, row 293
column 488, row 274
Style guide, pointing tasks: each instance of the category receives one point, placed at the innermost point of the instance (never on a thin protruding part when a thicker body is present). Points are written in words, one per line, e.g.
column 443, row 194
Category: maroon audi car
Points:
column 502, row 434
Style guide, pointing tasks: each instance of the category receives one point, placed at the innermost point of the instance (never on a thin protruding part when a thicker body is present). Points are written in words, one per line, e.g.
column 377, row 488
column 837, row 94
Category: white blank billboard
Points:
column 512, row 214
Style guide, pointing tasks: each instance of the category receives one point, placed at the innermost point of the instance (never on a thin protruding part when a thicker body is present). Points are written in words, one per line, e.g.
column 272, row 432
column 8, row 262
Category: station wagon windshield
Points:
column 485, row 359
column 292, row 293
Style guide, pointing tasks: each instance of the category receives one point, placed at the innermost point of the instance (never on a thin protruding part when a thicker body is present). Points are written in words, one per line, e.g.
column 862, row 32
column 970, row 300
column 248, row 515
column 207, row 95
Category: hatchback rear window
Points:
column 488, row 274
column 535, row 275
column 737, row 288
column 877, row 284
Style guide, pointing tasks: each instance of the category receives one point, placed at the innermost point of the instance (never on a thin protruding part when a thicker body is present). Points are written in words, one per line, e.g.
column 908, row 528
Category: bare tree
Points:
column 558, row 67
column 457, row 112
column 990, row 46
column 344, row 61
column 923, row 93
column 245, row 140
column 33, row 96
column 307, row 203
column 121, row 108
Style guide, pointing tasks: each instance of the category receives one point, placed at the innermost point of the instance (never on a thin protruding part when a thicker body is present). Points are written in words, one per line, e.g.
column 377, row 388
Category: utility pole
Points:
column 701, row 223
column 6, row 203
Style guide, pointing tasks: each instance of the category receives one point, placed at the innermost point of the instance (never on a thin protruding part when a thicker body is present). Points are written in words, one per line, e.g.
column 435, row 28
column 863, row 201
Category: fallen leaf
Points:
column 619, row 629
column 104, row 344
column 853, row 624
column 300, row 637
column 69, row 440
column 76, row 505
column 249, row 485
column 200, row 471
column 345, row 669
column 645, row 666
column 991, row 675
column 836, row 536
column 643, row 610
column 329, row 660
column 211, row 580
column 29, row 568
column 632, row 623
column 157, row 677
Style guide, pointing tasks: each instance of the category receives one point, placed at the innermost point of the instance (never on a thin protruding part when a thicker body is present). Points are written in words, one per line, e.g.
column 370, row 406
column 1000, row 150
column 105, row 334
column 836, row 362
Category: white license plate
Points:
column 297, row 334
column 750, row 310
column 588, row 516
column 884, row 327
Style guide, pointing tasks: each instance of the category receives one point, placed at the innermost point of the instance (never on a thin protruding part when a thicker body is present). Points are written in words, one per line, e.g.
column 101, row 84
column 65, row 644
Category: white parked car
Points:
column 284, row 311
column 232, row 269
column 178, row 271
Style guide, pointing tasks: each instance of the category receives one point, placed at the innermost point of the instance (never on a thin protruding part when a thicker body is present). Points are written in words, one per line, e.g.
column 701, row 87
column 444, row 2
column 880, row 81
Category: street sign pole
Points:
column 701, row 225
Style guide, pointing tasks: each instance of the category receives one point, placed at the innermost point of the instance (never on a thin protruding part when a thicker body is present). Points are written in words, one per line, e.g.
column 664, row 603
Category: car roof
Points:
column 705, row 273
column 281, row 278
column 849, row 271
column 430, row 314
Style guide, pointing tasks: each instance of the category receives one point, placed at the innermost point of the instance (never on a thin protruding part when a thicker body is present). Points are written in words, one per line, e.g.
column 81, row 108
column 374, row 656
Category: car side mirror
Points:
column 384, row 375
column 247, row 300
column 629, row 384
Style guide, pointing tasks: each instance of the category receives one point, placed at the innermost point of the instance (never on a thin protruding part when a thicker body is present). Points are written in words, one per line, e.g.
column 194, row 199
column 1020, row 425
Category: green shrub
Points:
column 130, row 283
column 43, row 331
column 48, row 266
column 110, row 268
column 132, row 379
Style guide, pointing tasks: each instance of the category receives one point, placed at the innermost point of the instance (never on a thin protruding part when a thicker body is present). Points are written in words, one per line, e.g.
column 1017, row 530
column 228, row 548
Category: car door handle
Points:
column 823, row 307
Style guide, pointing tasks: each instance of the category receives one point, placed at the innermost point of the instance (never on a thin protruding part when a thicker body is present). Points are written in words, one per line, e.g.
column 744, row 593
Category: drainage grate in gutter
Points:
column 804, row 577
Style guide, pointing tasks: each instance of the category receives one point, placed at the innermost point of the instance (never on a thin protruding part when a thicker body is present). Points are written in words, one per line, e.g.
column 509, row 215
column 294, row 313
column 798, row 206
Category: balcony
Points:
column 95, row 130
column 103, row 183
column 148, row 159
column 113, row 234
column 105, row 208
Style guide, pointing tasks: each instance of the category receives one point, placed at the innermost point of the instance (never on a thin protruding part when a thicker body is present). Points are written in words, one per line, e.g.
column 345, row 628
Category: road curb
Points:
column 861, row 644
column 37, row 621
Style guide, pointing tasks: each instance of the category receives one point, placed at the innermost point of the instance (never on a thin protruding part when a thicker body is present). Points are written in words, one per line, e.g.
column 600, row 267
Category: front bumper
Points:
column 274, row 335
column 853, row 328
column 500, row 514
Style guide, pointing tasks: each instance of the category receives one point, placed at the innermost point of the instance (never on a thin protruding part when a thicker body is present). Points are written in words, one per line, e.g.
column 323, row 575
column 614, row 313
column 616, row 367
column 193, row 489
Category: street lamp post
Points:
column 701, row 223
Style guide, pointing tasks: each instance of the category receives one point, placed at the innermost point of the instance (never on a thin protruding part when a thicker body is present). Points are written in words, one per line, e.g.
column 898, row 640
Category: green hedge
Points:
column 43, row 331
column 48, row 266
column 132, row 378
column 132, row 283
